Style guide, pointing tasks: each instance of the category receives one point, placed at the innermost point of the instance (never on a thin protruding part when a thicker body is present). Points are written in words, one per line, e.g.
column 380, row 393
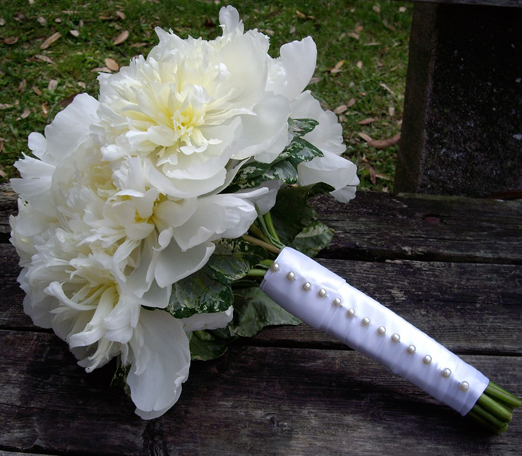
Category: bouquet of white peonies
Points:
column 151, row 214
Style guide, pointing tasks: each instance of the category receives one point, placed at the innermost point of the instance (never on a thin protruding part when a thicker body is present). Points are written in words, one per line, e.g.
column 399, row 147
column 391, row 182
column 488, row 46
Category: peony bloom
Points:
column 193, row 108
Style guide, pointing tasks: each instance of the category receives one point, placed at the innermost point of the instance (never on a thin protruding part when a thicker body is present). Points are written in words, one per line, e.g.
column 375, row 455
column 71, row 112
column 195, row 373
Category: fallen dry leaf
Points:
column 22, row 86
column 340, row 109
column 402, row 9
column 2, row 172
column 121, row 15
column 53, row 83
column 372, row 43
column 26, row 113
column 387, row 88
column 104, row 17
column 67, row 101
column 81, row 84
column 299, row 14
column 121, row 37
column 136, row 45
column 377, row 8
column 359, row 64
column 391, row 111
column 58, row 20
column 75, row 33
column 10, row 40
column 6, row 106
column 292, row 29
column 367, row 121
column 2, row 21
column 359, row 29
column 337, row 67
column 366, row 137
column 383, row 177
column 46, row 59
column 111, row 64
column 1, row 145
column 45, row 109
column 341, row 36
column 385, row 143
column 354, row 35
column 41, row 20
column 36, row 90
column 351, row 102
column 372, row 176
column 54, row 37
column 80, row 24
column 101, row 69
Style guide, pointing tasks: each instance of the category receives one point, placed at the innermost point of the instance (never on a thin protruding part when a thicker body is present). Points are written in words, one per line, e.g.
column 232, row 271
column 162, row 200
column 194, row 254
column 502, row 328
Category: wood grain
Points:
column 255, row 400
column 294, row 390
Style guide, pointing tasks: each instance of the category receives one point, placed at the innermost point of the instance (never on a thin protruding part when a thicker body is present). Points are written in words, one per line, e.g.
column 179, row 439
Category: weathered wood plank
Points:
column 507, row 3
column 450, row 301
column 255, row 400
column 378, row 226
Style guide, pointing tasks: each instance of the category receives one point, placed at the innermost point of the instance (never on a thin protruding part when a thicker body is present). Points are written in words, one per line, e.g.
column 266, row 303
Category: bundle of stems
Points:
column 493, row 410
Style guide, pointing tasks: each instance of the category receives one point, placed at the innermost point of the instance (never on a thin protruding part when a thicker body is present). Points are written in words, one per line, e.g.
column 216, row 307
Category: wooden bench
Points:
column 452, row 266
column 462, row 130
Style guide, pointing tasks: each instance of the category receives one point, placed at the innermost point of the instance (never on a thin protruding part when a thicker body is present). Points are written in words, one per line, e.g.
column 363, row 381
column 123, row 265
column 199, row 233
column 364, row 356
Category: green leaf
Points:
column 233, row 258
column 119, row 379
column 204, row 346
column 253, row 310
column 209, row 289
column 203, row 291
column 300, row 127
column 284, row 167
column 314, row 238
column 292, row 213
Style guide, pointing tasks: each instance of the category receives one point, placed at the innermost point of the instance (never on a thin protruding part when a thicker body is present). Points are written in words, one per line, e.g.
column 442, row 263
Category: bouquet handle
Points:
column 327, row 302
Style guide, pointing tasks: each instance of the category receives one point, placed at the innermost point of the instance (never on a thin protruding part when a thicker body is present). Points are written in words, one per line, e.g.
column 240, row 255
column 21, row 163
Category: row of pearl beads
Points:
column 381, row 330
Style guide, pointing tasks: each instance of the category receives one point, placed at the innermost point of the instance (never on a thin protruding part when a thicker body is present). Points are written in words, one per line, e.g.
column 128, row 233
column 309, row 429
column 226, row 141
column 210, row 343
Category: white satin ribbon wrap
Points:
column 321, row 313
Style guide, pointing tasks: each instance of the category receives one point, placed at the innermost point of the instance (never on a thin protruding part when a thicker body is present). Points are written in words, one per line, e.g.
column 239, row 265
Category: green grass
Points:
column 28, row 103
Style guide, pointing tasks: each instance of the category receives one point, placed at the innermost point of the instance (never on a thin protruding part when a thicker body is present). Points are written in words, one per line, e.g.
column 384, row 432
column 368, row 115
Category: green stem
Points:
column 258, row 233
column 493, row 407
column 270, row 226
column 515, row 401
column 265, row 245
column 502, row 395
column 256, row 273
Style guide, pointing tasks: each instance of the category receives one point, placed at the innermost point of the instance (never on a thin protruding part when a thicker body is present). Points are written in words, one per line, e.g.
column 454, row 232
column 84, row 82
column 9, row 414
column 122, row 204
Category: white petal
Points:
column 198, row 322
column 161, row 363
column 297, row 63
column 70, row 126
column 330, row 169
column 174, row 264
column 265, row 134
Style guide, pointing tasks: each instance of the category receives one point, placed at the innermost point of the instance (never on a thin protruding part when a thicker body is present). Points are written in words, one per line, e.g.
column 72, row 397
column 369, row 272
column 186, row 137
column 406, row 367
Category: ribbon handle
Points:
column 327, row 302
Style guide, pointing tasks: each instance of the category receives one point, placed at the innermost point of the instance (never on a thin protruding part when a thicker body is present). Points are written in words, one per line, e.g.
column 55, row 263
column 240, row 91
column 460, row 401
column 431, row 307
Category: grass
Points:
column 361, row 67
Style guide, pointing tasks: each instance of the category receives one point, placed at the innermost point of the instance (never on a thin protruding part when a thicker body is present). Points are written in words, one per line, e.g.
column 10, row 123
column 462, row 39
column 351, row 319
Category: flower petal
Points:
column 161, row 362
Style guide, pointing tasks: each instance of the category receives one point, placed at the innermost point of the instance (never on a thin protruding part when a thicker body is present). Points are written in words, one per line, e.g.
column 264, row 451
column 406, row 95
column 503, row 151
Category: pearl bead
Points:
column 307, row 286
column 411, row 349
column 336, row 302
column 275, row 267
column 365, row 321
column 464, row 386
column 290, row 275
column 381, row 330
column 322, row 293
column 446, row 373
column 426, row 359
column 396, row 338
column 350, row 313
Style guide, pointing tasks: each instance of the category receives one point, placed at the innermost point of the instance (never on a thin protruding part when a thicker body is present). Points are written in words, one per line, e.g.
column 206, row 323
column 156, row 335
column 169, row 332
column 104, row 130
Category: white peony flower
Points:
column 332, row 169
column 192, row 107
